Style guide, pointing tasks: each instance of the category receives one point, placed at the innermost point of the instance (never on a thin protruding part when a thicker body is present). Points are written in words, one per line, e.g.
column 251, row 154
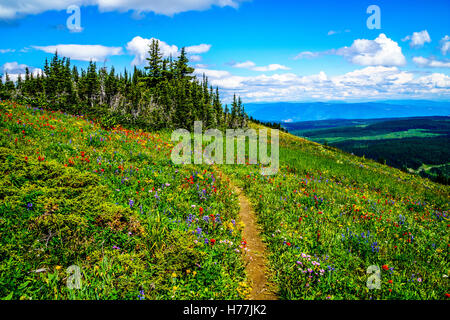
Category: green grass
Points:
column 327, row 216
column 138, row 226
column 410, row 133
column 112, row 203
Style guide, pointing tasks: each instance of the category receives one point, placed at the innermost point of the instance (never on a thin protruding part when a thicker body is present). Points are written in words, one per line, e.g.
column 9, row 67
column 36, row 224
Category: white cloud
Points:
column 201, row 48
column 331, row 32
column 244, row 65
column 14, row 69
column 216, row 74
column 271, row 67
column 379, row 52
column 12, row 9
column 139, row 47
column 445, row 45
column 83, row 52
column 431, row 62
column 252, row 66
column 372, row 82
column 418, row 39
column 307, row 54
column 7, row 50
column 195, row 58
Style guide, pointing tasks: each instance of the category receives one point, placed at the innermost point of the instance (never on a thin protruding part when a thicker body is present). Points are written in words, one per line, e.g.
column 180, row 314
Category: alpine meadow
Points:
column 332, row 184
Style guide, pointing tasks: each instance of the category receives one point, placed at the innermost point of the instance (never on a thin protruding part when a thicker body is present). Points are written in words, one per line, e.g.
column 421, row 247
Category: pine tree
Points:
column 154, row 69
column 182, row 69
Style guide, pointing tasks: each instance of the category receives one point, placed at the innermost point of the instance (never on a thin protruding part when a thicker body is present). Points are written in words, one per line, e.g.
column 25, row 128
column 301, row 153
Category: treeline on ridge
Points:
column 165, row 94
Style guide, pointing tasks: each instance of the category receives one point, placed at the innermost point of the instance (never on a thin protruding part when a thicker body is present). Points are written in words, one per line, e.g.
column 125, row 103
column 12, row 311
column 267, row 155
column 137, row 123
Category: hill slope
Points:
column 112, row 203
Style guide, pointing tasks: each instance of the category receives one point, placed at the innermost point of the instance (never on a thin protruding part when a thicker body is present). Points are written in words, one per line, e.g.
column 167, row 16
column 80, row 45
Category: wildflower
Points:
column 213, row 241
column 201, row 210
column 385, row 267
column 390, row 281
column 58, row 267
column 131, row 203
column 174, row 275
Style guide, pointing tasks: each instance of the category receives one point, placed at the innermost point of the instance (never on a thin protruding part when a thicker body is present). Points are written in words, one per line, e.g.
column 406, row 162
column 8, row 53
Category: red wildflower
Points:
column 288, row 243
column 300, row 219
column 385, row 267
column 447, row 295
column 390, row 281
column 201, row 210
column 213, row 241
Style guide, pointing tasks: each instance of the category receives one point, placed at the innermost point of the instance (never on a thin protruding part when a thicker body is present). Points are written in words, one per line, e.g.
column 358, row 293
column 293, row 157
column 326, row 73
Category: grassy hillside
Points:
column 112, row 203
column 327, row 216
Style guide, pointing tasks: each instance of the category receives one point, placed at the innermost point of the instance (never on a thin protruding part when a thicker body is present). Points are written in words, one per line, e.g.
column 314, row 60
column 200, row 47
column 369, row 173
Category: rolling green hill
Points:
column 406, row 143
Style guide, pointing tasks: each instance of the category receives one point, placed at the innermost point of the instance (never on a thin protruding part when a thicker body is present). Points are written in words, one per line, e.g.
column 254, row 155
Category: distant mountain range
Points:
column 310, row 111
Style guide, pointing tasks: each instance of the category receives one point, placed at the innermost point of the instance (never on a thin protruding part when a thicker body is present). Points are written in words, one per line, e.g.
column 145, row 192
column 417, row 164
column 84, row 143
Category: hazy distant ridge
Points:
column 292, row 112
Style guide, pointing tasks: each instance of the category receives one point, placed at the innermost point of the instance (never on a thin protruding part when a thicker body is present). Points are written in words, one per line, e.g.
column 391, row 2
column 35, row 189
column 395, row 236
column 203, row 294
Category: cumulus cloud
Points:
column 418, row 39
column 252, row 66
column 12, row 9
column 379, row 52
column 139, row 47
column 216, row 74
column 14, row 69
column 83, row 52
column 445, row 45
column 372, row 82
column 431, row 62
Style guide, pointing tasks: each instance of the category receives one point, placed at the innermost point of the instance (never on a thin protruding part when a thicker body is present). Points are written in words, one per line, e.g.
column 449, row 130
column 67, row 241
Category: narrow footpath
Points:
column 256, row 255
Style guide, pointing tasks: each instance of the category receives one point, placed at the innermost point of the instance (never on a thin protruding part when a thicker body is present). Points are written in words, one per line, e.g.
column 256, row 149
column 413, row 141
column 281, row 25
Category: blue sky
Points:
column 263, row 50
